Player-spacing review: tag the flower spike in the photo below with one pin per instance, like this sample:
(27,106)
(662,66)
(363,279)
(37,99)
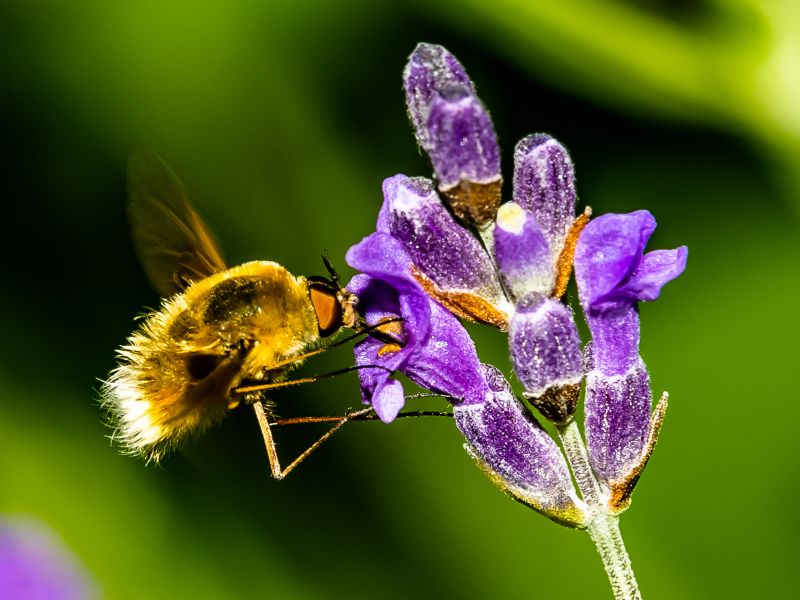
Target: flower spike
(423,268)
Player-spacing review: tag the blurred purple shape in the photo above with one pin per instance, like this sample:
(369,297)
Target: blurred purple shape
(35,564)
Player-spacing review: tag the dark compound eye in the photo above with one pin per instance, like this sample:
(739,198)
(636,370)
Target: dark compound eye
(326,305)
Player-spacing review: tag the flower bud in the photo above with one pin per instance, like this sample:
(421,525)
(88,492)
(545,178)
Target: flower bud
(544,185)
(522,252)
(617,419)
(465,155)
(517,453)
(429,70)
(448,261)
(546,355)
(455,130)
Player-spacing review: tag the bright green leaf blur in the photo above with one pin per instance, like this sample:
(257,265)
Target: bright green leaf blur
(283,121)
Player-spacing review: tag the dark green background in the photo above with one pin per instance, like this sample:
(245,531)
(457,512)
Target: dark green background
(283,121)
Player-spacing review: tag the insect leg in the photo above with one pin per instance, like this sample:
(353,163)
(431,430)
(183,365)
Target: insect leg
(272,452)
(269,441)
(366,417)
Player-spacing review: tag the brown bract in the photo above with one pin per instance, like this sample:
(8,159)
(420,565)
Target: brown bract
(557,404)
(565,259)
(474,203)
(621,491)
(464,305)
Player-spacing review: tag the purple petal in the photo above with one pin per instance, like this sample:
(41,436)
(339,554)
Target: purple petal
(374,380)
(383,257)
(522,252)
(438,354)
(516,452)
(544,184)
(464,145)
(35,565)
(442,249)
(382,301)
(448,362)
(546,354)
(613,276)
(615,338)
(617,421)
(442,359)
(656,269)
(359,283)
(609,250)
(386,290)
(389,400)
(393,291)
(430,69)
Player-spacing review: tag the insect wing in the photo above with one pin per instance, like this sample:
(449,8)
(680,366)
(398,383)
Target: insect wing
(173,244)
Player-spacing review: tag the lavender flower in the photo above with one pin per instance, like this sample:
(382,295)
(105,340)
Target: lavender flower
(424,266)
(455,130)
(614,275)
(446,259)
(531,237)
(517,453)
(437,353)
(544,185)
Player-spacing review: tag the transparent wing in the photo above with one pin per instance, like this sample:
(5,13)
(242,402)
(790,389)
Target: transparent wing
(173,244)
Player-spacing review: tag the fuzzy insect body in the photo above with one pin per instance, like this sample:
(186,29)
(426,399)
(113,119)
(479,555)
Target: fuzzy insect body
(217,328)
(178,369)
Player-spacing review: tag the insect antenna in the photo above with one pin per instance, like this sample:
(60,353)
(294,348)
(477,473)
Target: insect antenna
(329,267)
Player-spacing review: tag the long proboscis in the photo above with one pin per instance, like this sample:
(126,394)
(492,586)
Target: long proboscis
(262,387)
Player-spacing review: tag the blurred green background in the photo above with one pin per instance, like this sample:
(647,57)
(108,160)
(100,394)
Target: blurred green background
(283,120)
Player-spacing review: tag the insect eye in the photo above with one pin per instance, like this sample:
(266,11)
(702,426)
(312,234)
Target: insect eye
(326,306)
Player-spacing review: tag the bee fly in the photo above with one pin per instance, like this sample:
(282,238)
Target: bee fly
(222,335)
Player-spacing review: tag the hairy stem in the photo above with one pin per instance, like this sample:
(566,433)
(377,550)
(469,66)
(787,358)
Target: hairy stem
(578,459)
(605,533)
(603,527)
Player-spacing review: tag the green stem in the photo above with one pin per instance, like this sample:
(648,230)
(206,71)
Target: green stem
(578,459)
(603,527)
(605,533)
